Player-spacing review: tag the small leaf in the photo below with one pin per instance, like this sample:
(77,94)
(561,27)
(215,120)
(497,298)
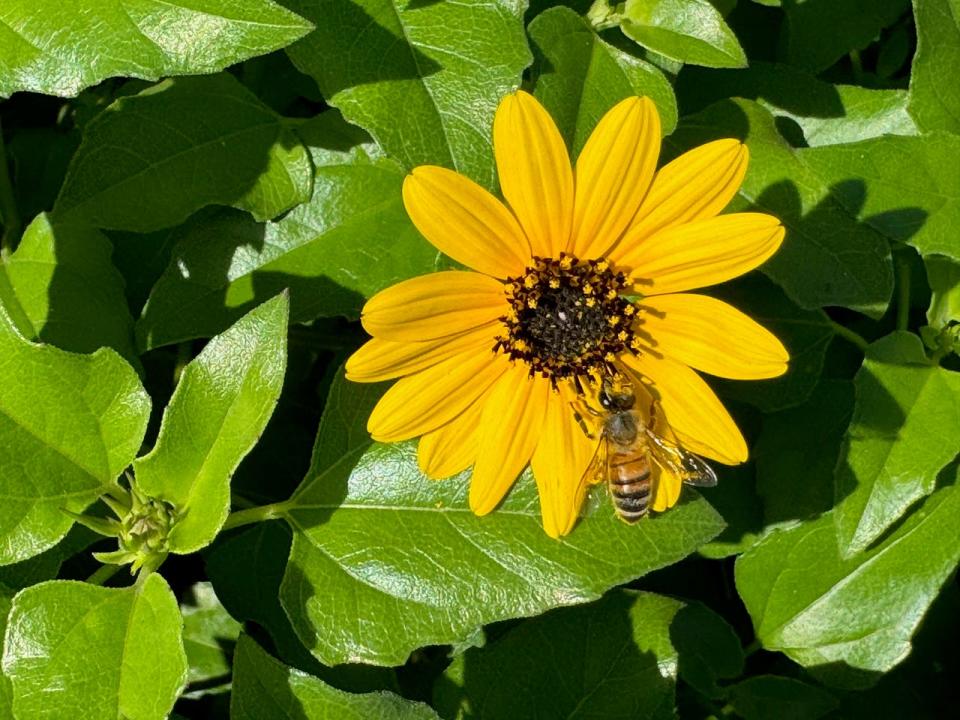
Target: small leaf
(610,659)
(222,403)
(209,636)
(112,652)
(944,277)
(708,648)
(136,168)
(65,284)
(689,31)
(905,429)
(423,78)
(809,602)
(59,48)
(266,688)
(934,95)
(579,76)
(69,425)
(770,697)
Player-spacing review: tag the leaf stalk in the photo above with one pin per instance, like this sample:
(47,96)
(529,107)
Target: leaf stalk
(253,515)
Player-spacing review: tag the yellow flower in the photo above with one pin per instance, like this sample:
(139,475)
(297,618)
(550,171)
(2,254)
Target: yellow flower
(583,271)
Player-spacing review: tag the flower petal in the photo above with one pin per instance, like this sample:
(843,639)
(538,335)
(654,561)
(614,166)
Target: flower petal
(712,336)
(613,173)
(696,415)
(703,253)
(434,306)
(380,359)
(451,448)
(560,465)
(423,402)
(696,186)
(535,174)
(509,430)
(466,222)
(666,489)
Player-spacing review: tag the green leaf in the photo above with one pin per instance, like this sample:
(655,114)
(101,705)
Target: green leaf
(613,658)
(59,47)
(69,425)
(209,636)
(924,212)
(6,689)
(770,697)
(406,555)
(352,239)
(46,565)
(828,257)
(423,78)
(689,31)
(137,167)
(820,33)
(823,610)
(708,649)
(222,403)
(266,688)
(65,285)
(944,277)
(934,94)
(736,499)
(797,451)
(905,429)
(579,76)
(111,652)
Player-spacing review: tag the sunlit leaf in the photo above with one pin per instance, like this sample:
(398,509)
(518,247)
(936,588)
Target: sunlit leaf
(934,94)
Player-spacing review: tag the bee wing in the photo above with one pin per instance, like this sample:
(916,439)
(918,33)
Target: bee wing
(596,470)
(685,465)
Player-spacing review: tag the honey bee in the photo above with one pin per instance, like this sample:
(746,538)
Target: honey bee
(628,445)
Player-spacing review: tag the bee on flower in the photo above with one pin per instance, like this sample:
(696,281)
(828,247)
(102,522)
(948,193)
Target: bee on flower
(582,275)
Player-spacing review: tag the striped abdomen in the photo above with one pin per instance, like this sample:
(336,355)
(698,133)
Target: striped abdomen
(629,479)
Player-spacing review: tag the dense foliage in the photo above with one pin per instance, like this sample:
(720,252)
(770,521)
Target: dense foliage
(197,197)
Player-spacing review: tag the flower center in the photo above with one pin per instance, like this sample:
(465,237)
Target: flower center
(567,318)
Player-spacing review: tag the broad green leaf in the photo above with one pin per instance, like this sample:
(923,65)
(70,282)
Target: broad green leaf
(771,697)
(868,178)
(69,425)
(209,636)
(689,31)
(820,33)
(797,451)
(352,239)
(613,658)
(46,565)
(59,47)
(139,165)
(944,277)
(905,429)
(402,562)
(423,78)
(934,93)
(104,652)
(63,282)
(828,257)
(820,609)
(579,76)
(141,258)
(266,688)
(708,649)
(736,499)
(223,400)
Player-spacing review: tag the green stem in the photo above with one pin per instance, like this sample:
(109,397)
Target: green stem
(849,335)
(753,647)
(103,573)
(903,290)
(255,515)
(8,206)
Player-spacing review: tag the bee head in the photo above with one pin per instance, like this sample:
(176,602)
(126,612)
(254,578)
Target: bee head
(616,396)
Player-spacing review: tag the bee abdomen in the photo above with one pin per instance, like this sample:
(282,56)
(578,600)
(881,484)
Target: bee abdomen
(630,486)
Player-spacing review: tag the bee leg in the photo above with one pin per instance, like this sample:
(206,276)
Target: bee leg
(582,423)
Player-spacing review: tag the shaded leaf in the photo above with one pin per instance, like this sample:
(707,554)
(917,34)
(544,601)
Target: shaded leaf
(112,652)
(770,697)
(934,94)
(6,689)
(944,277)
(59,47)
(708,648)
(209,636)
(223,400)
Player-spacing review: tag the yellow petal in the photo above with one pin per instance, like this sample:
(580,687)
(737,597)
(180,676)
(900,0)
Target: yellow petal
(451,448)
(696,186)
(613,173)
(423,402)
(710,335)
(466,222)
(535,174)
(696,415)
(380,359)
(703,253)
(560,465)
(509,429)
(434,306)
(666,489)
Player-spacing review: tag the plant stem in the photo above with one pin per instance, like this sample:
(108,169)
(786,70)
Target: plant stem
(8,205)
(849,335)
(903,290)
(857,65)
(255,515)
(104,573)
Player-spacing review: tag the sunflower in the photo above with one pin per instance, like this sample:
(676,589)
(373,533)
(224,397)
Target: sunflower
(582,273)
